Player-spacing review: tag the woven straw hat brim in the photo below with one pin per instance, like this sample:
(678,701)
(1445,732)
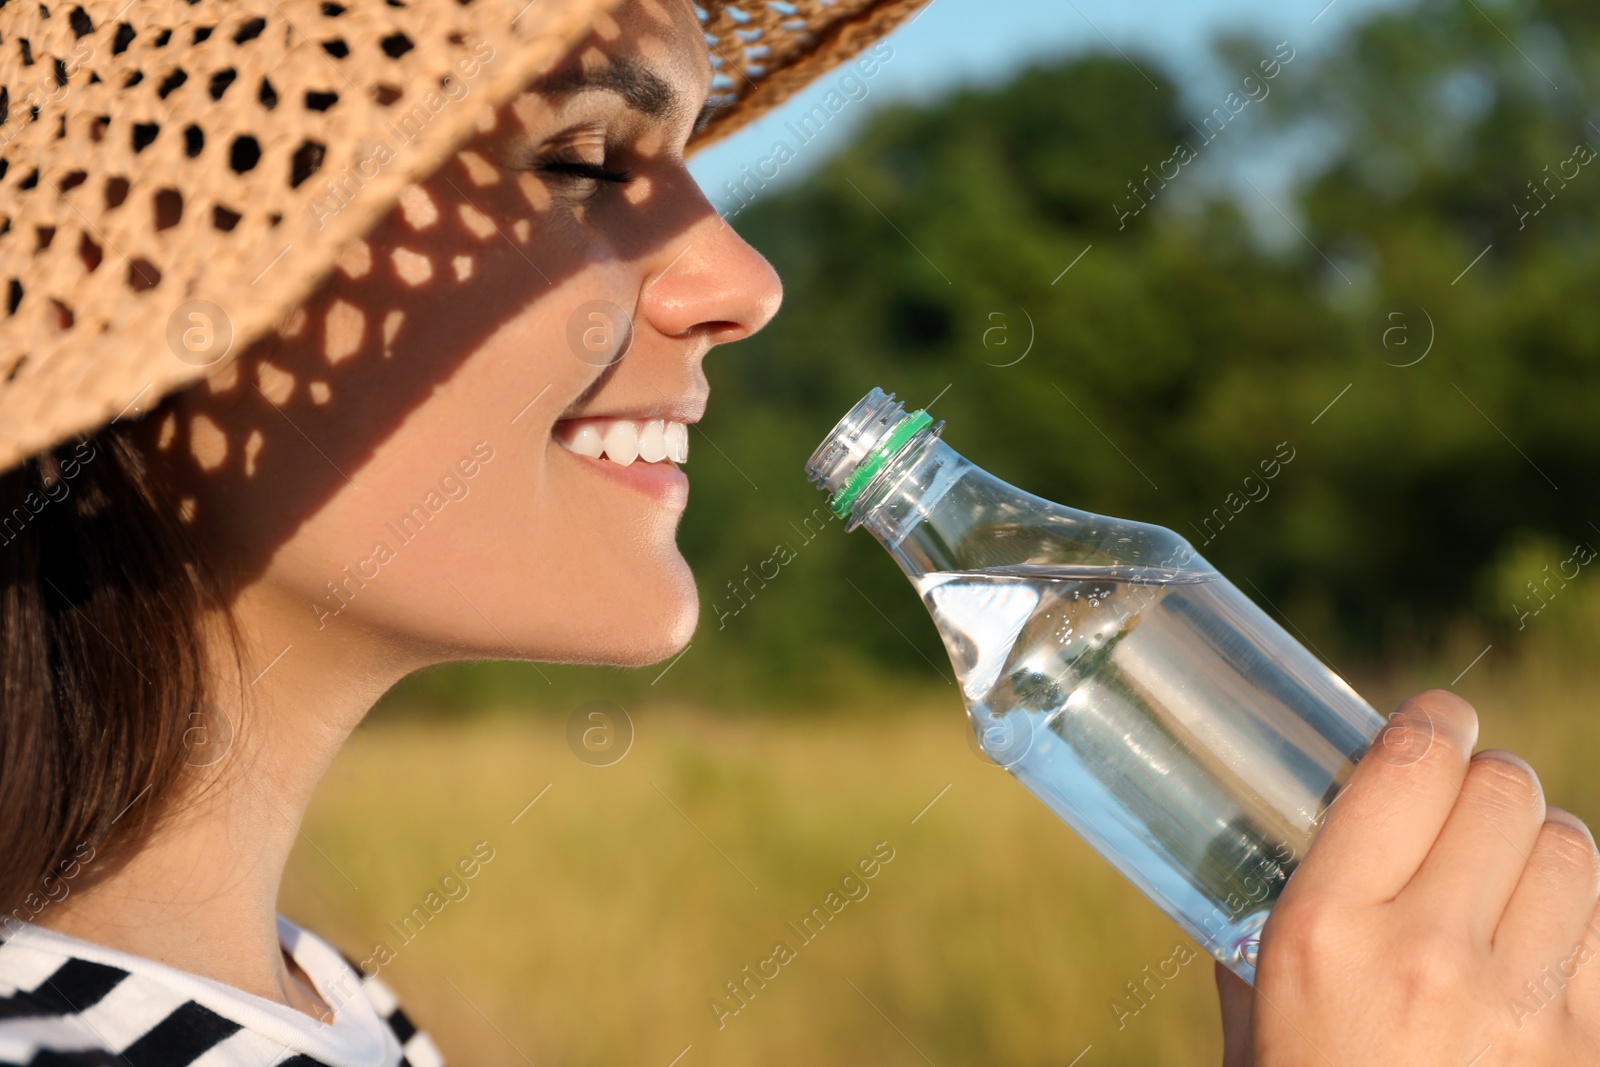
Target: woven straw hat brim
(164,160)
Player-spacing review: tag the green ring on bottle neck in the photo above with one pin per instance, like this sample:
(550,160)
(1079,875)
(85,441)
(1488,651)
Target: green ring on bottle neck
(875,461)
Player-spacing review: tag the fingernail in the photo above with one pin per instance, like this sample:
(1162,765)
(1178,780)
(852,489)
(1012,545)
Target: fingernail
(1562,815)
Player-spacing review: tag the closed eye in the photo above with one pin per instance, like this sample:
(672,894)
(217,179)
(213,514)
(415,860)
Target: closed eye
(588,171)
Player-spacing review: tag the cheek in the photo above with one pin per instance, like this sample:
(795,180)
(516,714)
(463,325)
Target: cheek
(542,558)
(565,565)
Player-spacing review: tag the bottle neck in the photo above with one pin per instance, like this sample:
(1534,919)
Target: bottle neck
(934,510)
(902,506)
(886,469)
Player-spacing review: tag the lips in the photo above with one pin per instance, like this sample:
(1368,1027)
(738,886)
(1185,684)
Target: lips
(624,441)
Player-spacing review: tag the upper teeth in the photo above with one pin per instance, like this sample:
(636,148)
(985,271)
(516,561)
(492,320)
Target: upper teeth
(625,440)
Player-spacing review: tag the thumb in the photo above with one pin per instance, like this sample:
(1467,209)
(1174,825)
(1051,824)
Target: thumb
(1237,1000)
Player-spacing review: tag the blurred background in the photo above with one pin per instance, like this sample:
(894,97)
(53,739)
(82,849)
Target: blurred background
(1384,255)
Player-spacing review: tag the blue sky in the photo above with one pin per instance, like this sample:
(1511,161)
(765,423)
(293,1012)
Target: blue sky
(960,42)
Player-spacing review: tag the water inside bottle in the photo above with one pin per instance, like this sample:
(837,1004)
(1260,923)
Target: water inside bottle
(1163,716)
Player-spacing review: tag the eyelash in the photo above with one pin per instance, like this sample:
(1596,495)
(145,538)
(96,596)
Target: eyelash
(590,171)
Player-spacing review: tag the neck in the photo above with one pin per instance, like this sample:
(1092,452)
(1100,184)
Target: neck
(199,893)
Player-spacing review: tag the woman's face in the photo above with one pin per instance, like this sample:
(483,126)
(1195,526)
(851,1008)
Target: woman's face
(415,458)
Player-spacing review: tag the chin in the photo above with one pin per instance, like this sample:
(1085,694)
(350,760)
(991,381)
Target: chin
(679,620)
(672,612)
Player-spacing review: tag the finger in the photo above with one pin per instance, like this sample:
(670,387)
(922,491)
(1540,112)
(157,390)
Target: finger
(1483,850)
(1583,991)
(1236,999)
(1386,818)
(1544,937)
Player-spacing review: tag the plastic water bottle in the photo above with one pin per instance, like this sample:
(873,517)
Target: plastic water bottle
(1146,700)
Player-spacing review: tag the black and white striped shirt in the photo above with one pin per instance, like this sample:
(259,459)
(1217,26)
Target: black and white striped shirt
(65,1002)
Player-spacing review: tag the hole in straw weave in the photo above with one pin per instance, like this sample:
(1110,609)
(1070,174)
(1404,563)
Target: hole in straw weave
(116,192)
(245,154)
(396,45)
(307,161)
(267,95)
(169,209)
(250,31)
(143,275)
(125,36)
(221,80)
(171,82)
(89,253)
(223,219)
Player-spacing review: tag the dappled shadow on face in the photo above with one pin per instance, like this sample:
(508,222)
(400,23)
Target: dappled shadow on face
(279,429)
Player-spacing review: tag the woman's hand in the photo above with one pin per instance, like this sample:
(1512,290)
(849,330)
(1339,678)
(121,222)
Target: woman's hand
(1444,916)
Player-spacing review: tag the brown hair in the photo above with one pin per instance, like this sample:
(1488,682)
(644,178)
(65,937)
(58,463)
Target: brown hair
(104,603)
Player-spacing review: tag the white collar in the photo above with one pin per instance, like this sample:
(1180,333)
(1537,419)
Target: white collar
(357,1037)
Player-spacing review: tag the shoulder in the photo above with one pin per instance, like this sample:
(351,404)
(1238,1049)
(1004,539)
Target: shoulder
(65,1011)
(70,1003)
(46,999)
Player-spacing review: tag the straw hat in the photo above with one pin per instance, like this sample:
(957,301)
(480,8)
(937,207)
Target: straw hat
(163,159)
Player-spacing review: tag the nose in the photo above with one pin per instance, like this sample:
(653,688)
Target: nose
(711,281)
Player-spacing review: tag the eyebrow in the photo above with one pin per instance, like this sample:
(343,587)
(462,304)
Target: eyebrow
(641,88)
